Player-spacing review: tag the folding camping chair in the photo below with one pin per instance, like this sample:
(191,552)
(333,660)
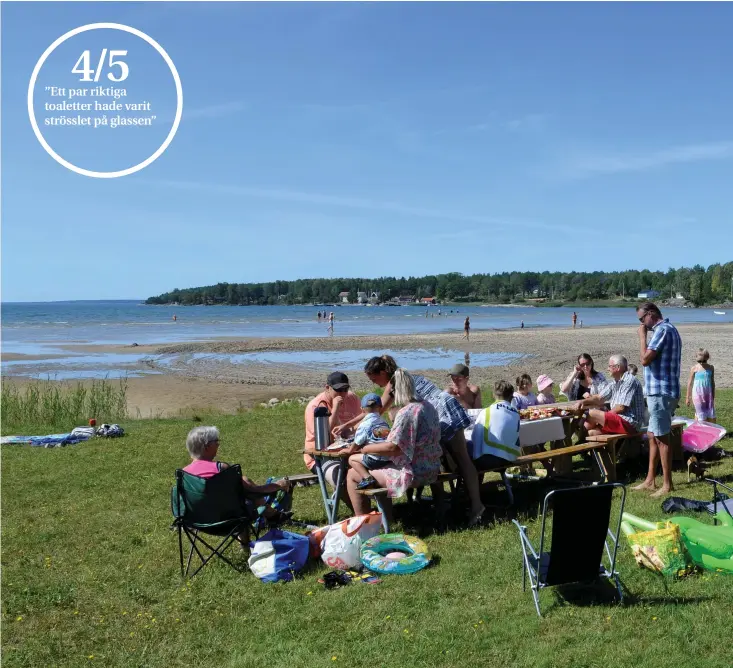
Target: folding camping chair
(215,506)
(580,534)
(720,498)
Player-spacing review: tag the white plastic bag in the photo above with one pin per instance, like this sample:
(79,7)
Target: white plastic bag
(342,544)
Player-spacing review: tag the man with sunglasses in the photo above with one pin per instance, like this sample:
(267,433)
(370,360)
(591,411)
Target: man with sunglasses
(661,359)
(343,405)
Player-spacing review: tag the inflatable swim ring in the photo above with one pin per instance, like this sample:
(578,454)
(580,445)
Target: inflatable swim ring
(374,551)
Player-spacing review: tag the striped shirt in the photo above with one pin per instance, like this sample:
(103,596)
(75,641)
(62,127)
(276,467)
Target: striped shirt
(452,415)
(662,376)
(627,392)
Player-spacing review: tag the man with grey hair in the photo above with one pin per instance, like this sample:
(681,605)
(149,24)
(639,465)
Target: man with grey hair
(627,403)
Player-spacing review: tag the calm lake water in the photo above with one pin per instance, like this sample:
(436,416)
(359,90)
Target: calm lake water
(42,328)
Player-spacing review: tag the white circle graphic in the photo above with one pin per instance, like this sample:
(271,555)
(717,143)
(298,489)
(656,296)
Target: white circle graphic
(163,146)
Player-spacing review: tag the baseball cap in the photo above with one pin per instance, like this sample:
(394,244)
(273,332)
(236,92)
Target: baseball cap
(371,399)
(543,382)
(459,370)
(338,381)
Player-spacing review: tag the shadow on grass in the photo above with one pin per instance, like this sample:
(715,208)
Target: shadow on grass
(603,593)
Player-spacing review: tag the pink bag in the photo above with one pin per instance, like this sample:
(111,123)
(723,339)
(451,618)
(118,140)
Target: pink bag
(341,547)
(700,436)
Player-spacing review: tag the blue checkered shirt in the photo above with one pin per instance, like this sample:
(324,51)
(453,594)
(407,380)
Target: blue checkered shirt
(627,392)
(451,414)
(662,376)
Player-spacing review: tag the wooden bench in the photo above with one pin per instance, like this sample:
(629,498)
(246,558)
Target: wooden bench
(600,449)
(629,446)
(303,479)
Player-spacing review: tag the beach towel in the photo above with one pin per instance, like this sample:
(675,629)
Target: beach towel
(51,440)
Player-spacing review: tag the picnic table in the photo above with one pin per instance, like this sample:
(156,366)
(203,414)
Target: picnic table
(330,501)
(557,431)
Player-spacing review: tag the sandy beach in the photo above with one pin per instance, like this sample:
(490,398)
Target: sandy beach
(188,384)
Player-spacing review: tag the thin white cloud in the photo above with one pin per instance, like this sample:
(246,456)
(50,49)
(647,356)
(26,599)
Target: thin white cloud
(584,166)
(526,123)
(214,111)
(284,195)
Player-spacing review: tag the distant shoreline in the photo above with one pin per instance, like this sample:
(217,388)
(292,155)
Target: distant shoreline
(190,380)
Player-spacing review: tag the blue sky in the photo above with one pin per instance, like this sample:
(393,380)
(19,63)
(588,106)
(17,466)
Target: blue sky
(338,139)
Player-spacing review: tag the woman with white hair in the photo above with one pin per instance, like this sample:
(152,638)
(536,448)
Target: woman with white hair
(202,444)
(413,445)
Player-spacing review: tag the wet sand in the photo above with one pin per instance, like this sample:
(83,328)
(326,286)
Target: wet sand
(196,384)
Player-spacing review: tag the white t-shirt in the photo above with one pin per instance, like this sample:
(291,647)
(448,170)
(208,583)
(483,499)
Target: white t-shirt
(496,432)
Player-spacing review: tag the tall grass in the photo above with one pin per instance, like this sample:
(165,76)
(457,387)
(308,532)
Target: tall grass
(55,405)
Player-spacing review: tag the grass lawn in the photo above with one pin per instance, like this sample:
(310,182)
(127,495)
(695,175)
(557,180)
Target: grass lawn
(90,575)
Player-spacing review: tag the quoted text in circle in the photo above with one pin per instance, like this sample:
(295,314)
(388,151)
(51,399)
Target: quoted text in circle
(161,148)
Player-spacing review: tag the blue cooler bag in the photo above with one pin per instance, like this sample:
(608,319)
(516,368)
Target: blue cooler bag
(278,555)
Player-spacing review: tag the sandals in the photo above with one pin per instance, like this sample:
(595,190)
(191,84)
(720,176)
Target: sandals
(366,483)
(475,520)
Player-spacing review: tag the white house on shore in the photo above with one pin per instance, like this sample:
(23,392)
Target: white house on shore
(648,294)
(344,297)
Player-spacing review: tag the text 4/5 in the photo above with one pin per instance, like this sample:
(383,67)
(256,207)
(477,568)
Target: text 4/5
(83,66)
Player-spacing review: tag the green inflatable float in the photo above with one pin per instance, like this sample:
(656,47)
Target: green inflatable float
(708,546)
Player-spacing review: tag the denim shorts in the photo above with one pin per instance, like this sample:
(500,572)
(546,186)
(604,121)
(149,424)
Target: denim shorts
(372,462)
(661,409)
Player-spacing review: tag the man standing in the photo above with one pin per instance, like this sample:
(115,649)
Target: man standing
(661,359)
(466,328)
(627,403)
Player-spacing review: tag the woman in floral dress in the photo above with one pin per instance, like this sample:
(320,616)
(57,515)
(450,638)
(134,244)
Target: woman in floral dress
(413,445)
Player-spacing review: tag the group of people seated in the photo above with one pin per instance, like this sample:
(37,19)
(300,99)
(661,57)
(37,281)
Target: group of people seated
(427,422)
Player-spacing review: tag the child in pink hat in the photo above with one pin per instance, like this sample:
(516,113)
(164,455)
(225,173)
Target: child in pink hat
(544,387)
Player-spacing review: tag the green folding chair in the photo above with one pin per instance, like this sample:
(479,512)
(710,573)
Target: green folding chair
(213,506)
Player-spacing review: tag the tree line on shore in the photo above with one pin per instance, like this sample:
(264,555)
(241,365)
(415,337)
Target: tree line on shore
(697,285)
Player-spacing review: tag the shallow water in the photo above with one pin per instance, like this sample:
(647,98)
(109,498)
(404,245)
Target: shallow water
(349,360)
(30,327)
(79,366)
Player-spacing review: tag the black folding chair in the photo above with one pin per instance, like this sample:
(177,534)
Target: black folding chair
(580,535)
(215,506)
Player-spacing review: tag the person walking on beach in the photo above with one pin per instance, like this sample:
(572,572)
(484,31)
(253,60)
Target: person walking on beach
(466,328)
(330,323)
(575,319)
(661,359)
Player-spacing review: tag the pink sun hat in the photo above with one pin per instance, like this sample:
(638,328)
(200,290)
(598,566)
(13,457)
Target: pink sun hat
(543,382)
